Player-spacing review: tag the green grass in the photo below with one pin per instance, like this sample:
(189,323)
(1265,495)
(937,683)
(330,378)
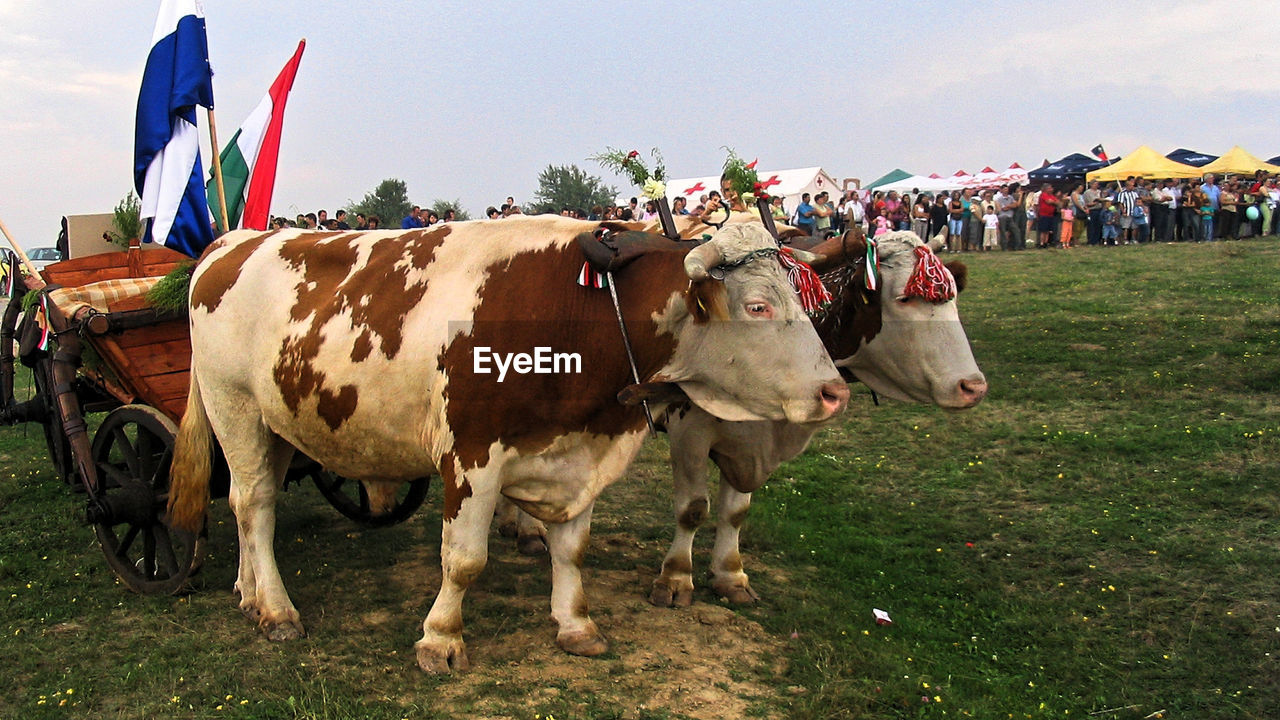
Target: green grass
(1099,538)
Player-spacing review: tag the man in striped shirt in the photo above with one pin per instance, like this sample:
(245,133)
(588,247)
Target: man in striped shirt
(1127,199)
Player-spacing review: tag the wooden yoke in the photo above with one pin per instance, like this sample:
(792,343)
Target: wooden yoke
(668,222)
(766,216)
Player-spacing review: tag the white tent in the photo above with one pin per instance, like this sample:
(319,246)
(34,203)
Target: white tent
(790,184)
(987,178)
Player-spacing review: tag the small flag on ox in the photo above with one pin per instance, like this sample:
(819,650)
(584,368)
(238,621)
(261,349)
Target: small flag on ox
(250,157)
(166,157)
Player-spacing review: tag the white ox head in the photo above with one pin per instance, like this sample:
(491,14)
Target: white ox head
(745,348)
(921,352)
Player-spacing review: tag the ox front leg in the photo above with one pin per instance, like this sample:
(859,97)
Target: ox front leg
(464,551)
(263,599)
(674,585)
(727,577)
(578,634)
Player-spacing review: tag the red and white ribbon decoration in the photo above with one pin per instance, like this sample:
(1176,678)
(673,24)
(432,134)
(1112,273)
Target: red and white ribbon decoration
(813,296)
(930,280)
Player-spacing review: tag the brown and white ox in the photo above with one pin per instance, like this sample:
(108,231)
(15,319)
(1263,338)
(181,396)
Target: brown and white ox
(362,350)
(902,347)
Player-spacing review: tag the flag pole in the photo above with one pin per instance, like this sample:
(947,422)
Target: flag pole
(217,174)
(22,254)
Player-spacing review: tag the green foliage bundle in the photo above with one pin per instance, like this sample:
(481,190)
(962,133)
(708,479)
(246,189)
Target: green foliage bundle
(171,292)
(126,221)
(632,165)
(741,175)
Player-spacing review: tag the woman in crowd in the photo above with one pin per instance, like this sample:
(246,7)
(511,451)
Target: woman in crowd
(920,215)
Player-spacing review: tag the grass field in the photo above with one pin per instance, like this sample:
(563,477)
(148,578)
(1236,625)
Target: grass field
(1099,539)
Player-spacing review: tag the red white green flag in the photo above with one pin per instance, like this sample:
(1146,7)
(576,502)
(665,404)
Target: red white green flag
(249,159)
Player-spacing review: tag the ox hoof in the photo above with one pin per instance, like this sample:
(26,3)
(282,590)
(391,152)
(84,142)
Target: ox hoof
(442,657)
(508,529)
(663,595)
(532,545)
(584,643)
(282,631)
(738,594)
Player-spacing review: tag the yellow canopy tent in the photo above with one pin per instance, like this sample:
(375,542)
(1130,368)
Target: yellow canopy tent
(1147,163)
(1238,161)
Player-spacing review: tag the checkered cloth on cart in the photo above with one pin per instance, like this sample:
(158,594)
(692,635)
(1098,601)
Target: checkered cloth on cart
(99,295)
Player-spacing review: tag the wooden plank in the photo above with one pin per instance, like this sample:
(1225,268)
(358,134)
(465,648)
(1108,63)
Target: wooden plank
(174,407)
(75,278)
(113,266)
(161,358)
(118,361)
(169,385)
(159,333)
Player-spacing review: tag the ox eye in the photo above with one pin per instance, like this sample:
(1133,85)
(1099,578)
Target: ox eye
(903,299)
(759,309)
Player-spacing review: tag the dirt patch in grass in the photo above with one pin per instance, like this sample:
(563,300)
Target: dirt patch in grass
(704,661)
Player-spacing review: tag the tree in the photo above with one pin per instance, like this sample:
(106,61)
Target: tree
(389,202)
(569,186)
(440,206)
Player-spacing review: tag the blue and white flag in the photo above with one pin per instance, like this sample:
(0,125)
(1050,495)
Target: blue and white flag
(166,156)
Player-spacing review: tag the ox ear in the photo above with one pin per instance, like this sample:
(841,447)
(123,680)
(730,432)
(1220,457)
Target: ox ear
(706,300)
(960,272)
(657,392)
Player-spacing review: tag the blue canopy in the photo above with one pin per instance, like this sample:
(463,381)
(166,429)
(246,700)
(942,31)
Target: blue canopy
(1069,168)
(1191,157)
(1275,160)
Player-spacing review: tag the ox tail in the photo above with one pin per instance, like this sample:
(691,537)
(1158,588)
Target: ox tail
(192,458)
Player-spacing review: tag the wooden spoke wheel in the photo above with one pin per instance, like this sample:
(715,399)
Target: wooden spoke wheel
(351,498)
(132,451)
(55,436)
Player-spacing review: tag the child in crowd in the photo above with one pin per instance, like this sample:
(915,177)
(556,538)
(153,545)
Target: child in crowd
(990,228)
(882,226)
(1140,221)
(1110,224)
(1068,226)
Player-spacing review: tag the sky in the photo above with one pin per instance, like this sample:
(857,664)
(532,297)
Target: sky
(472,100)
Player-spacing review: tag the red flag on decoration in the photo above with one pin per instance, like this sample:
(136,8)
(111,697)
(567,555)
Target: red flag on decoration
(257,207)
(1102,154)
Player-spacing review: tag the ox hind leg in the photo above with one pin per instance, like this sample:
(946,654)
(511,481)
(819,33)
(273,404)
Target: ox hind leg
(258,466)
(530,533)
(674,585)
(568,541)
(464,552)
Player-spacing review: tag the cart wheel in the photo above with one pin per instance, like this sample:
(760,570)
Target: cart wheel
(132,451)
(351,499)
(55,437)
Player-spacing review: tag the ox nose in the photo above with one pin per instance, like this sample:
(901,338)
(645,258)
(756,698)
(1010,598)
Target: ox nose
(972,390)
(834,397)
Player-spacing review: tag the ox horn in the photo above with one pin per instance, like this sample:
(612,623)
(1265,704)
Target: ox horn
(701,259)
(808,258)
(938,242)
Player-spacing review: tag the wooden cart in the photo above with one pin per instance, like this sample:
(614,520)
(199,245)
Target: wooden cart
(125,358)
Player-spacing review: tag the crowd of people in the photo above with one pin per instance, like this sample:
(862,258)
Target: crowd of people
(1012,217)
